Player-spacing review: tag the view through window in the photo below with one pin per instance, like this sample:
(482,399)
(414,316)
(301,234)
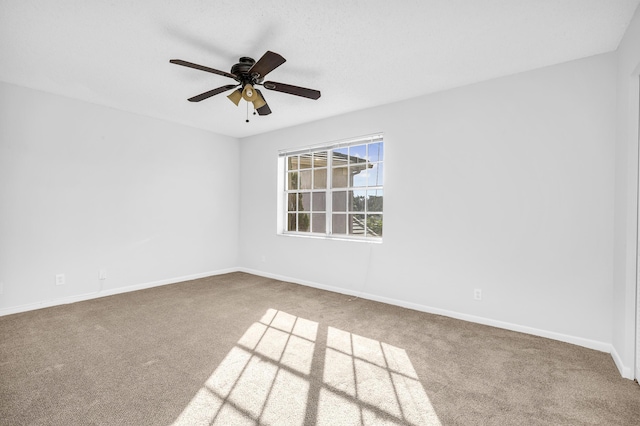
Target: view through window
(336,189)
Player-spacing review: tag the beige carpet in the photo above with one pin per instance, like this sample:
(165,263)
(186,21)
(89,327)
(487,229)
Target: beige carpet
(241,349)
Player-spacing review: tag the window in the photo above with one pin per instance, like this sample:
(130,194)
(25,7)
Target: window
(335,190)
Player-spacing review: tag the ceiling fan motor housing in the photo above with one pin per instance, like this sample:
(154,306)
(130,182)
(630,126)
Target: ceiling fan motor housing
(241,69)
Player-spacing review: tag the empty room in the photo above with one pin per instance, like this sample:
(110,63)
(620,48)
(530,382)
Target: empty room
(201,212)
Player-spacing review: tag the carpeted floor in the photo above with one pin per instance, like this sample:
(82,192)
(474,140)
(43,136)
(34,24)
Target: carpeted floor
(241,349)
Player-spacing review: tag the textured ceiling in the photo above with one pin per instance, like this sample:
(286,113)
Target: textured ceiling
(358,53)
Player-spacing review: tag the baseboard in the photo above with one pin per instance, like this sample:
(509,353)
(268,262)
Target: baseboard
(110,292)
(625,371)
(587,343)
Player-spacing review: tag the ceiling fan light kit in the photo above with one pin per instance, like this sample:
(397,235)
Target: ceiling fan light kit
(259,102)
(248,93)
(235,96)
(248,73)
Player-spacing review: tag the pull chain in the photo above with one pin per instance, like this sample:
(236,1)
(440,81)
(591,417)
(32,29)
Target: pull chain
(247,112)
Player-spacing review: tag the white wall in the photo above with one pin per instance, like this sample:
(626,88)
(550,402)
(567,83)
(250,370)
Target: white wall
(506,186)
(626,190)
(84,187)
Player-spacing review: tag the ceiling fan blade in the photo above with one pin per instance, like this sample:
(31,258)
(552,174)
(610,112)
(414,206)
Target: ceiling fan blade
(269,62)
(202,68)
(210,93)
(263,110)
(292,90)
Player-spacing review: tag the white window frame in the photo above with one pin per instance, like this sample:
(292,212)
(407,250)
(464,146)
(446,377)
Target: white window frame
(283,191)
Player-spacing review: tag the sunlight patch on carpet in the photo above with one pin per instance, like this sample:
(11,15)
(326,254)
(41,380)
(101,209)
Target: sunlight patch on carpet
(267,378)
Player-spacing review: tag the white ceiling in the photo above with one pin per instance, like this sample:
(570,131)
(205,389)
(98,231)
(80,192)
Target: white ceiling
(358,53)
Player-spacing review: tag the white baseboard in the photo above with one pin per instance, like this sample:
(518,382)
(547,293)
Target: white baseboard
(109,292)
(625,371)
(587,343)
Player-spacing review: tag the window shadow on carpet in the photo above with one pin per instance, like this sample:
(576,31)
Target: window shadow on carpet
(288,370)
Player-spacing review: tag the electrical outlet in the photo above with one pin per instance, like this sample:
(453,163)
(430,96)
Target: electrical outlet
(263,259)
(102,274)
(1,287)
(477,294)
(60,279)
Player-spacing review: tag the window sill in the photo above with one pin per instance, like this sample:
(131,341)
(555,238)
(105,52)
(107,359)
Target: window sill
(331,237)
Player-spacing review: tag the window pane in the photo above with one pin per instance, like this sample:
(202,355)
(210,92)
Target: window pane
(357,153)
(360,174)
(339,223)
(319,201)
(292,180)
(305,179)
(303,222)
(340,177)
(375,152)
(320,179)
(319,222)
(339,200)
(305,161)
(356,224)
(340,156)
(375,175)
(292,202)
(291,222)
(292,162)
(304,202)
(356,201)
(320,159)
(374,200)
(351,175)
(374,225)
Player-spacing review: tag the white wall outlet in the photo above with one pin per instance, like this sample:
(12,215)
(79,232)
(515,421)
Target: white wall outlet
(60,279)
(102,274)
(477,294)
(1,287)
(263,259)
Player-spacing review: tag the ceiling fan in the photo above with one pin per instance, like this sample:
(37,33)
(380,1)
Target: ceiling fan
(248,73)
